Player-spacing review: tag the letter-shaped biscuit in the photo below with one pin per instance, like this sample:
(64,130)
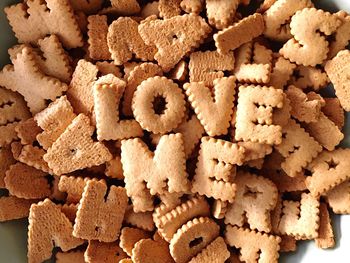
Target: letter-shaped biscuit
(254,246)
(215,163)
(107,99)
(148,173)
(144,108)
(25,77)
(124,40)
(206,106)
(100,218)
(34,19)
(48,226)
(308,47)
(254,121)
(300,219)
(255,198)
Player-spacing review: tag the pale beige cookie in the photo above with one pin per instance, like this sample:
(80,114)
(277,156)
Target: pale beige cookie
(87,6)
(33,20)
(309,47)
(281,116)
(27,182)
(209,65)
(255,198)
(298,148)
(136,76)
(97,37)
(215,252)
(192,131)
(53,121)
(52,59)
(12,208)
(8,133)
(48,227)
(325,132)
(220,104)
(106,67)
(73,186)
(100,252)
(255,150)
(309,77)
(253,246)
(109,127)
(27,131)
(338,71)
(192,237)
(12,110)
(70,257)
(241,32)
(143,220)
(254,120)
(192,6)
(25,77)
(219,209)
(300,219)
(56,194)
(6,160)
(169,8)
(130,236)
(168,219)
(258,71)
(328,170)
(304,107)
(325,237)
(278,15)
(339,198)
(148,173)
(213,176)
(342,35)
(75,149)
(124,40)
(334,111)
(30,155)
(80,93)
(144,108)
(100,218)
(150,9)
(180,71)
(151,251)
(125,7)
(70,211)
(171,199)
(272,170)
(221,13)
(174,37)
(114,168)
(128,67)
(281,72)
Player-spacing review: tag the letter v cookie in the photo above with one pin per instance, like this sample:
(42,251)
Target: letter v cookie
(205,106)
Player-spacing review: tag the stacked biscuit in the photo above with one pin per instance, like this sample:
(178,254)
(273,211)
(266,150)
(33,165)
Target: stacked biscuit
(174,131)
